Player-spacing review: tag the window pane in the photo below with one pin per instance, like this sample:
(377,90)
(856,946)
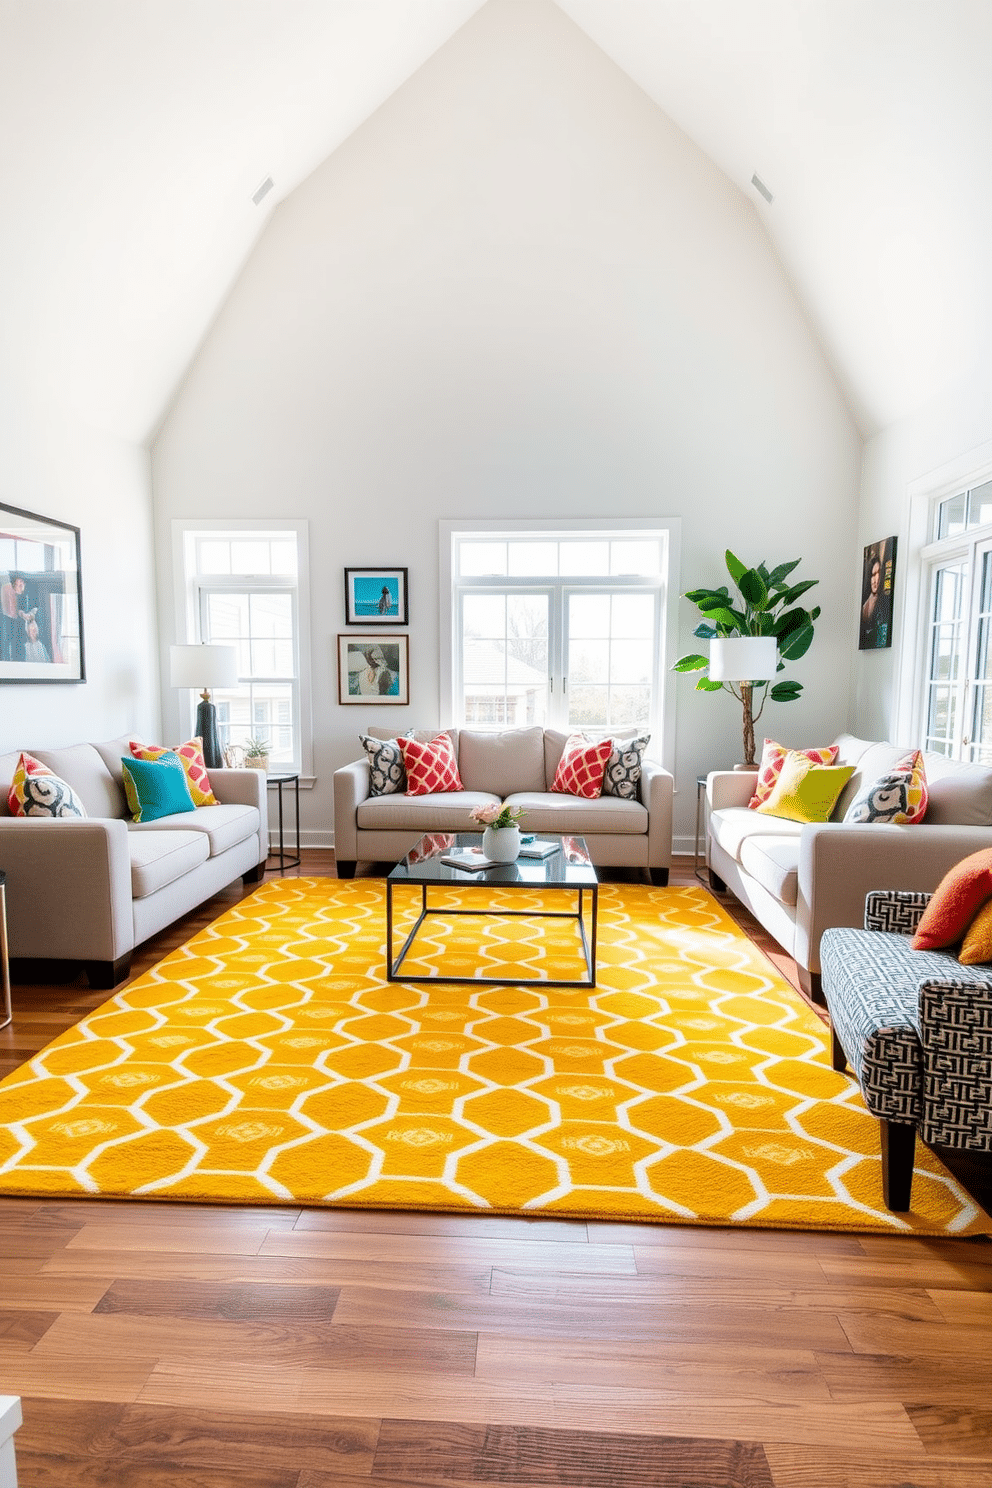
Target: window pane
(588,615)
(271,615)
(588,706)
(533,559)
(478,558)
(588,557)
(484,615)
(588,661)
(951,515)
(635,558)
(227,616)
(215,557)
(250,557)
(284,558)
(527,633)
(633,615)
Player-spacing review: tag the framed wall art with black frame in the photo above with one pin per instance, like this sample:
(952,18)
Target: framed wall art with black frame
(376,596)
(41,604)
(373,669)
(878,577)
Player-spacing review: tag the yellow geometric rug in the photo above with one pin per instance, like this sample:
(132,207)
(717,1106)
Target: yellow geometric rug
(269,1061)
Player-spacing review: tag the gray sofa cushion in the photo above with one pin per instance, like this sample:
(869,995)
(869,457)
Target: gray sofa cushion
(732,826)
(448,812)
(773,862)
(159,858)
(222,826)
(501,763)
(548,812)
(81,766)
(960,793)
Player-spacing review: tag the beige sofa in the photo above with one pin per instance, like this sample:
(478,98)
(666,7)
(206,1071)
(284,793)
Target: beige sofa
(799,880)
(518,766)
(91,889)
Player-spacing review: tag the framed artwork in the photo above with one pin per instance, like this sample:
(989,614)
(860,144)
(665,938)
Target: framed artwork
(41,605)
(376,596)
(373,669)
(877,593)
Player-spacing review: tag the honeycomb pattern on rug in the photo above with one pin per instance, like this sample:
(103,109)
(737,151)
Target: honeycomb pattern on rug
(269,1060)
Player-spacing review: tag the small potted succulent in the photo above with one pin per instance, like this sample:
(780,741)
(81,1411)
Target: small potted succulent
(256,754)
(501,837)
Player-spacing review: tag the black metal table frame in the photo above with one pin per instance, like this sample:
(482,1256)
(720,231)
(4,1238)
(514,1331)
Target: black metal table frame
(285,860)
(588,943)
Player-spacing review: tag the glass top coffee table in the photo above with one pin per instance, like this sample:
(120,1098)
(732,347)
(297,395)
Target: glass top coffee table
(567,871)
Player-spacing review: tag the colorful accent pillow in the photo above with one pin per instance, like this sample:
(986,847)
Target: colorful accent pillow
(805,791)
(191,758)
(976,949)
(623,768)
(773,757)
(431,769)
(956,900)
(899,796)
(582,767)
(37,791)
(156,788)
(387,773)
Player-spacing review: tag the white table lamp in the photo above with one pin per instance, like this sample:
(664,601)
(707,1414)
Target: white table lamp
(204,667)
(744,660)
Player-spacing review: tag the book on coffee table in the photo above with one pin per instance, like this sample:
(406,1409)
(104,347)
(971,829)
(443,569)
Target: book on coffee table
(537,849)
(470,858)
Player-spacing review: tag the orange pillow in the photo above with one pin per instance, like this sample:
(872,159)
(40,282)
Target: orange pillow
(582,767)
(956,900)
(192,761)
(977,947)
(431,769)
(773,758)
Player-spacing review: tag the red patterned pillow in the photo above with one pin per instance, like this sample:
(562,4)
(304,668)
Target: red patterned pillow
(582,767)
(773,758)
(431,769)
(192,761)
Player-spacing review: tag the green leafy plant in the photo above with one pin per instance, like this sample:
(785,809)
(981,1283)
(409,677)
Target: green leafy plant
(765,604)
(256,748)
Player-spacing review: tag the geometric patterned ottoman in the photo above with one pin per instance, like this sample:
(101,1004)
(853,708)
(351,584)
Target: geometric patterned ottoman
(916,1029)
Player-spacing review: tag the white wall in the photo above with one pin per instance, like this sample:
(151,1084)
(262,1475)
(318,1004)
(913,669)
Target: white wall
(519,290)
(52,464)
(949,439)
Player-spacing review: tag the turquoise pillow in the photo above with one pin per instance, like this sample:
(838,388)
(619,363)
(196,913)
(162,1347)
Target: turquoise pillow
(156,788)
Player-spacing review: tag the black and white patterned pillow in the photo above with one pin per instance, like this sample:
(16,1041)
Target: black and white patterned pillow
(386,770)
(623,768)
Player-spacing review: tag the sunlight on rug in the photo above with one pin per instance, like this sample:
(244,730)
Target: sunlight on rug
(269,1061)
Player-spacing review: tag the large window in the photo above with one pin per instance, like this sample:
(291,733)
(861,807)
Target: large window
(246,588)
(957,697)
(564,628)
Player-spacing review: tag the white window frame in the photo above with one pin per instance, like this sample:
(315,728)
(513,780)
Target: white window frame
(188,589)
(669,532)
(913,660)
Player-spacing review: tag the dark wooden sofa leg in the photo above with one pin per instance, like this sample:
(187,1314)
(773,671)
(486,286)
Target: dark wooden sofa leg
(102,975)
(345,867)
(254,875)
(898,1152)
(659,877)
(716,882)
(838,1059)
(812,986)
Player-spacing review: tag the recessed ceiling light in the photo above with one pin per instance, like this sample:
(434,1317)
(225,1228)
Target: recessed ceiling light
(760,186)
(262,191)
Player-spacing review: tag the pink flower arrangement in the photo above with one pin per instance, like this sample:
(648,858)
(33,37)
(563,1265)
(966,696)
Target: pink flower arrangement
(497,816)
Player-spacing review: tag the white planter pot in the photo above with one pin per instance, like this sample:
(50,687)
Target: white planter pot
(502,844)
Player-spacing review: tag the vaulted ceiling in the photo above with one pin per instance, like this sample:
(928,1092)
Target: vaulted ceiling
(137,131)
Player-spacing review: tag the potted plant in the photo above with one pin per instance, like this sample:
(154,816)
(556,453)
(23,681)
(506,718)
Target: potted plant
(257,754)
(501,837)
(755,631)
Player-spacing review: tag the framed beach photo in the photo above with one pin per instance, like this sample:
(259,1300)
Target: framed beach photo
(41,607)
(373,669)
(376,596)
(878,577)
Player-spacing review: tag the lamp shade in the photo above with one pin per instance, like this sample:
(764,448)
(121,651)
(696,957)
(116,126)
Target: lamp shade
(203,666)
(743,658)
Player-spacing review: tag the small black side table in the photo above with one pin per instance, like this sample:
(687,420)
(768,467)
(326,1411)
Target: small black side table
(6,1008)
(286,860)
(700,825)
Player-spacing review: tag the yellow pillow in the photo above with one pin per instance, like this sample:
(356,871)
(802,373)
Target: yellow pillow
(976,948)
(804,791)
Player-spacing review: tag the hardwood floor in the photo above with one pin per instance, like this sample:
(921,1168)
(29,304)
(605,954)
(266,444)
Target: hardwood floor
(187,1346)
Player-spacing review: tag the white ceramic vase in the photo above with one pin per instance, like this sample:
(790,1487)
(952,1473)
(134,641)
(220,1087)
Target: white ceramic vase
(502,844)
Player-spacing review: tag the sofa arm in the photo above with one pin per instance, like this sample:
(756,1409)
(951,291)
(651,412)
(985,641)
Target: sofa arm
(956,1035)
(68,887)
(725,788)
(245,788)
(657,795)
(840,863)
(352,786)
(895,911)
